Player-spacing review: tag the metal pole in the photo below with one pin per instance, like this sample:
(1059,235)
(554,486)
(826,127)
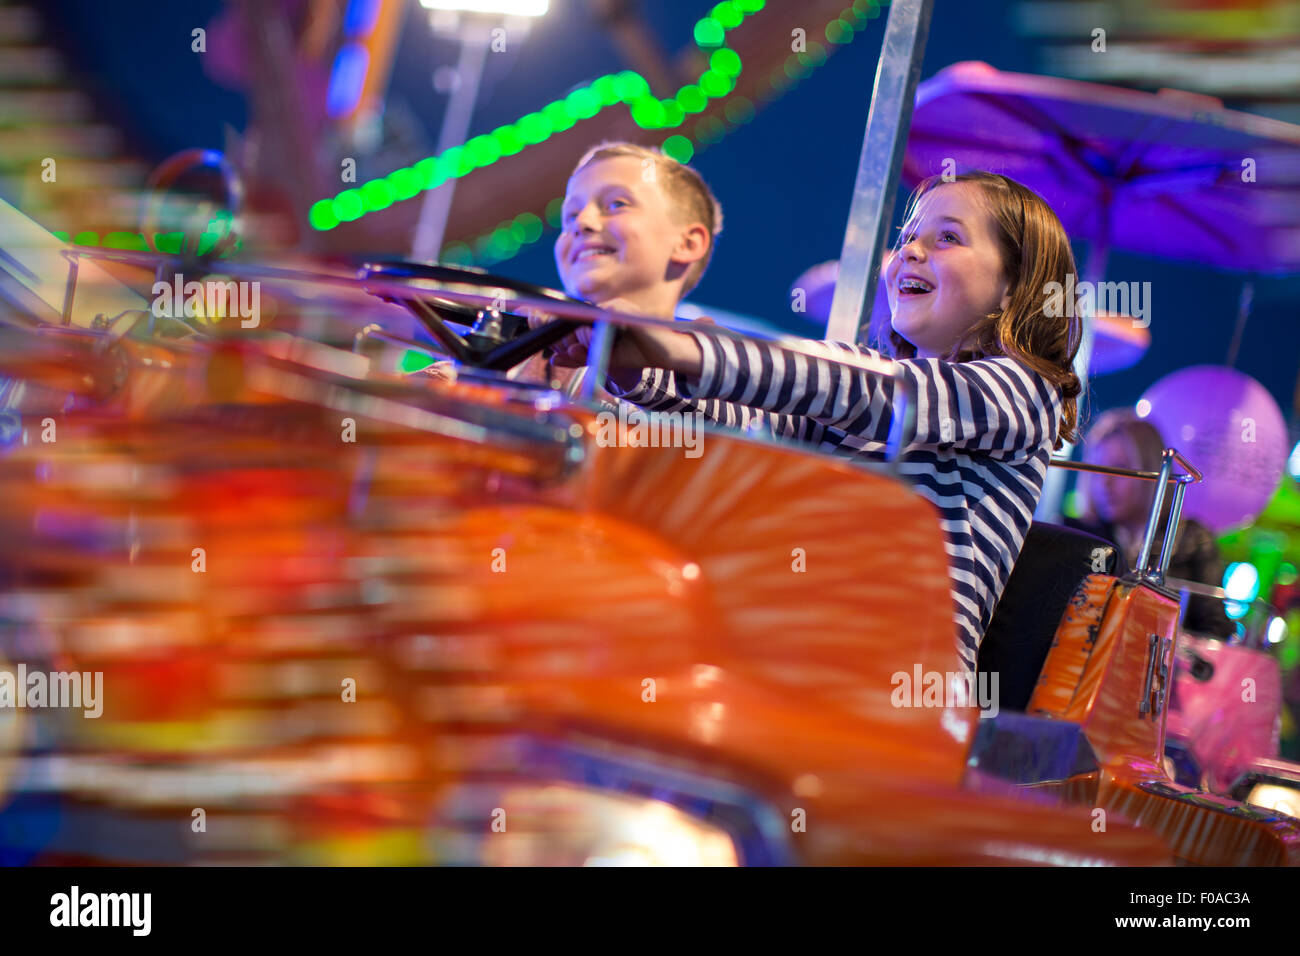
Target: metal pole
(1144,569)
(598,355)
(435,210)
(871,212)
(1171,529)
(1243,313)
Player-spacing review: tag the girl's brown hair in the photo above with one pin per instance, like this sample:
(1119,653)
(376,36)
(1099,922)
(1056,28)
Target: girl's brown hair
(1035,251)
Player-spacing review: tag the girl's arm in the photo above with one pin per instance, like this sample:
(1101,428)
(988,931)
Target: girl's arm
(993,405)
(641,373)
(656,390)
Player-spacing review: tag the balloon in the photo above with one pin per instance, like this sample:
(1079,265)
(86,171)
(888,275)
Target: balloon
(1227,425)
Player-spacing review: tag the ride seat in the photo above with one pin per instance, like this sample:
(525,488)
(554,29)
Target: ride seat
(1052,564)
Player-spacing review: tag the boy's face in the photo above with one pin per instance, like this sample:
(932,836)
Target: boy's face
(618,236)
(948,273)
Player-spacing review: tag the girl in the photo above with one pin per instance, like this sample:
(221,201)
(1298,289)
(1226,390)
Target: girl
(994,375)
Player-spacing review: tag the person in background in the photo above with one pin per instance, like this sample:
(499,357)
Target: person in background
(1118,509)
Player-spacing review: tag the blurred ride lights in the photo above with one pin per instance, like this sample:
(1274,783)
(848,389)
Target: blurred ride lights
(514,8)
(1274,797)
(561,824)
(600,803)
(1276,630)
(1271,784)
(1241,587)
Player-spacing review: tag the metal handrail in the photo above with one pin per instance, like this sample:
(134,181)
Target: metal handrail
(1145,571)
(1194,475)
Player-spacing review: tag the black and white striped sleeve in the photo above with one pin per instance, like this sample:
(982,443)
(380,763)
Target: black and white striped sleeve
(658,391)
(991,405)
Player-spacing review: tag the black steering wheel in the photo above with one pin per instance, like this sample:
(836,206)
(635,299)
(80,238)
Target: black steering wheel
(497,339)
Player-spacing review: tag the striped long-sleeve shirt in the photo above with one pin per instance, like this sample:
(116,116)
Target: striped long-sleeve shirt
(984,432)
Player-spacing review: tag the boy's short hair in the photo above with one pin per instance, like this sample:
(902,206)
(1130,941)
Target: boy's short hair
(686,190)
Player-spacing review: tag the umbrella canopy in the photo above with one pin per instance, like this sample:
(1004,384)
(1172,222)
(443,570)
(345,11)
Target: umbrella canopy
(1171,175)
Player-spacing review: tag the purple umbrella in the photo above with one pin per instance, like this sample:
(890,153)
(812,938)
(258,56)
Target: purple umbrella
(1172,175)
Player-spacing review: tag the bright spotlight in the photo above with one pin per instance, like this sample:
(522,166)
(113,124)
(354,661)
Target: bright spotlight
(515,8)
(1276,631)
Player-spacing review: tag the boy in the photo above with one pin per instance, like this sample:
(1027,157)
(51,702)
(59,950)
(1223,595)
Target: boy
(637,232)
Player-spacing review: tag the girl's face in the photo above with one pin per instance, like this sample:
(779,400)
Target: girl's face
(948,273)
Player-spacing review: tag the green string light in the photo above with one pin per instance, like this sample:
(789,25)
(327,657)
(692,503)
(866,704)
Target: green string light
(165,242)
(626,87)
(728,14)
(679,148)
(839,31)
(738,111)
(709,33)
(726,62)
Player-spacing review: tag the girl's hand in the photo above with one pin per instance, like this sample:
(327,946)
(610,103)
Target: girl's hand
(634,348)
(444,371)
(570,351)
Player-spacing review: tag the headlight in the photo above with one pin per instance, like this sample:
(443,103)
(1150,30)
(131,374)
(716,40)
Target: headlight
(1272,796)
(565,824)
(591,802)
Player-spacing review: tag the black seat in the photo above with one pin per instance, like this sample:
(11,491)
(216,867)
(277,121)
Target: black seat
(1052,564)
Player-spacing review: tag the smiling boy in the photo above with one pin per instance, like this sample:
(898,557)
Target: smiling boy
(637,227)
(637,232)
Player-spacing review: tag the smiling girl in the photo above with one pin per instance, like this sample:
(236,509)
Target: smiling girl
(993,374)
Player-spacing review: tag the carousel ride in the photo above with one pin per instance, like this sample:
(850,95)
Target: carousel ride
(325,610)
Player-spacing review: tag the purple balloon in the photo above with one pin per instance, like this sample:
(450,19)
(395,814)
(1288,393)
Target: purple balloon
(1227,425)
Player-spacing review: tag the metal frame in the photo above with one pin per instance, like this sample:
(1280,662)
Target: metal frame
(898,71)
(1146,571)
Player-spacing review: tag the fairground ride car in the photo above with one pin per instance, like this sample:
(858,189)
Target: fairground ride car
(345,615)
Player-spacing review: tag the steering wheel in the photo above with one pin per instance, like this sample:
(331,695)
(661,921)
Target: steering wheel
(497,339)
